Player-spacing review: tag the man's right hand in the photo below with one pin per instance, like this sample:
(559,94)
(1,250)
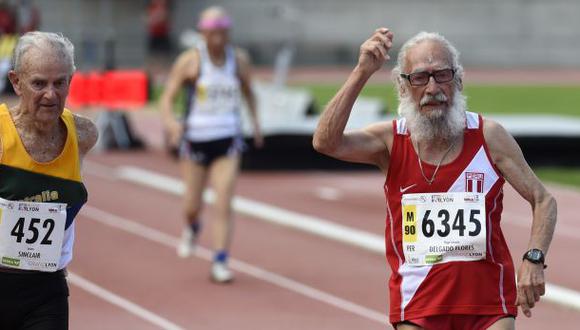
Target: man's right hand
(374,51)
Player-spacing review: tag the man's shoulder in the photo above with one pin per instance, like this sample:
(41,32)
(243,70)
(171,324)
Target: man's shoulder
(84,124)
(497,138)
(190,54)
(187,57)
(384,127)
(186,65)
(491,126)
(87,133)
(383,131)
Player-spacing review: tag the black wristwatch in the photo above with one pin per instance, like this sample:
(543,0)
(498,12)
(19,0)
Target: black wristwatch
(535,256)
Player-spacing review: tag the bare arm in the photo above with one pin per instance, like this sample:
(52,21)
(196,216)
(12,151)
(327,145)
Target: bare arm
(87,134)
(186,67)
(244,73)
(368,145)
(509,159)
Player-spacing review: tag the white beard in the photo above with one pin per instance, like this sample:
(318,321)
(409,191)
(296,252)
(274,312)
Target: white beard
(436,124)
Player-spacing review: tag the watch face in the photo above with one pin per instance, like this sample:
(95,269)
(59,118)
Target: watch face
(535,255)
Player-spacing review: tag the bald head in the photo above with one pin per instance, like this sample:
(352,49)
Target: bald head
(43,45)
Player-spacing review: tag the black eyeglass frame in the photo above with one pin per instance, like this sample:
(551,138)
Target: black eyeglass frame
(430,74)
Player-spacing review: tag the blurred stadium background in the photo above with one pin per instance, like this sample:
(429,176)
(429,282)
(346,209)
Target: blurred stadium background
(497,33)
(521,58)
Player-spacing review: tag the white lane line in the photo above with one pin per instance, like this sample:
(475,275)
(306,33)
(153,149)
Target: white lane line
(510,218)
(310,224)
(154,235)
(176,187)
(263,211)
(98,170)
(123,303)
(328,193)
(562,296)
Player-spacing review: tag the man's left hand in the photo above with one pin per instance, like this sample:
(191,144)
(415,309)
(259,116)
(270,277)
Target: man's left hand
(531,286)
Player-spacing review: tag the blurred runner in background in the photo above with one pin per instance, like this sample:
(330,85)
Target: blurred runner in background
(216,75)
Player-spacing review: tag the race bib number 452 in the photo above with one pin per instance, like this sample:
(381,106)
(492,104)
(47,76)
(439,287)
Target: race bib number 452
(31,234)
(443,227)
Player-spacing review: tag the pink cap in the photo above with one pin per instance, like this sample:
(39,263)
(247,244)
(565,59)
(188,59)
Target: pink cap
(215,23)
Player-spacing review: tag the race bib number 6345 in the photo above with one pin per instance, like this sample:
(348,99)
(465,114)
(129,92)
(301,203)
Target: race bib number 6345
(443,227)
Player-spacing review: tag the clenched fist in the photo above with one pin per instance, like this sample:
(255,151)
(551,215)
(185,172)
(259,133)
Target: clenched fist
(374,51)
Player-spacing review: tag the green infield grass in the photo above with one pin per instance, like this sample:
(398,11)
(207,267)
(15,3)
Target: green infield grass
(569,176)
(562,100)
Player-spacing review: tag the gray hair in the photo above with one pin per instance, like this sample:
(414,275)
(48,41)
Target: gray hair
(417,39)
(42,40)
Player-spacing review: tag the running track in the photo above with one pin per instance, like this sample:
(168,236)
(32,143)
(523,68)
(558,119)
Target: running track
(125,274)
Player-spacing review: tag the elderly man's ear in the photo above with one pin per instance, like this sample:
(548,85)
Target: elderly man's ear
(15,80)
(401,84)
(460,84)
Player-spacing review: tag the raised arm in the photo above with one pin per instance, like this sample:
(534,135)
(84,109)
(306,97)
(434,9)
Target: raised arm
(185,68)
(508,157)
(368,145)
(244,73)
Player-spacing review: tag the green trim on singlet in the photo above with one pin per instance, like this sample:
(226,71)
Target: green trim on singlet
(19,184)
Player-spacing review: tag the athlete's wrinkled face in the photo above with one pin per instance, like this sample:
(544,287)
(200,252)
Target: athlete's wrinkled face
(431,98)
(42,83)
(433,109)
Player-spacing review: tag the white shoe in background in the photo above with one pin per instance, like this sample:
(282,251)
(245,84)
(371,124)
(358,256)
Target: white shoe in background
(220,273)
(187,243)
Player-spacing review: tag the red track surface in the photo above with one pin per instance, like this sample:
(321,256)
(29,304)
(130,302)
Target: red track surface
(149,274)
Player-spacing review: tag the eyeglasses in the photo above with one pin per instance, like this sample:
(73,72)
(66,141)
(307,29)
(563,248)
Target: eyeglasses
(422,78)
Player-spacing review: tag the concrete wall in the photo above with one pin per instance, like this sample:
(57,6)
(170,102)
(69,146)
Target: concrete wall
(487,32)
(89,23)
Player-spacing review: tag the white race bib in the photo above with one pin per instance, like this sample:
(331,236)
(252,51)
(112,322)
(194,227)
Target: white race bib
(218,99)
(31,234)
(443,227)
